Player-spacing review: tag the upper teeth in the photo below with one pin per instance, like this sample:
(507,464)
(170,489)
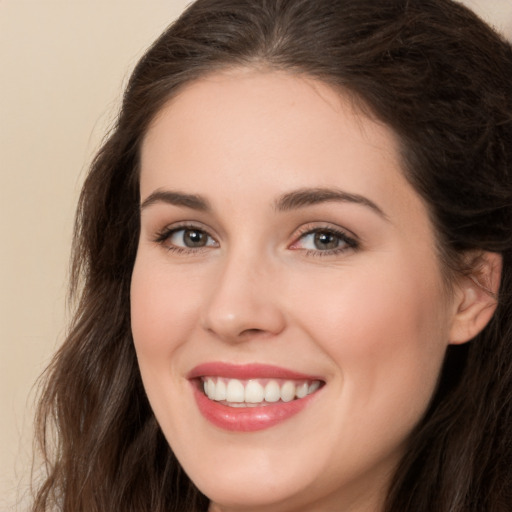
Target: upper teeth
(257,391)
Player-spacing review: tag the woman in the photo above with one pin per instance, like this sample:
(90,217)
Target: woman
(293,265)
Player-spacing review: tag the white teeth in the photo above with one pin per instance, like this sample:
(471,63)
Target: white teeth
(288,391)
(210,389)
(272,391)
(220,390)
(302,390)
(253,391)
(313,386)
(235,391)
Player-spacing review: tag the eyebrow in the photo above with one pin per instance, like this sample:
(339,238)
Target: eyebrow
(192,201)
(290,201)
(311,196)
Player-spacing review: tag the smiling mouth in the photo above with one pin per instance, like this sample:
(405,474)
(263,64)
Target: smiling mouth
(256,392)
(251,397)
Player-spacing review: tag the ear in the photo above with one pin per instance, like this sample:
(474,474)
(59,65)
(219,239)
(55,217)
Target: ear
(476,298)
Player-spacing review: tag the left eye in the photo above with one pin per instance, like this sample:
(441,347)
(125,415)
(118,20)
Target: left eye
(190,238)
(324,240)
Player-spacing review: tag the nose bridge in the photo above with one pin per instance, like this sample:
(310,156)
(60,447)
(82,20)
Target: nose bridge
(243,298)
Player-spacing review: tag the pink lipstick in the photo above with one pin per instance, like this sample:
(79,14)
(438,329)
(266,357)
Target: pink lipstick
(251,397)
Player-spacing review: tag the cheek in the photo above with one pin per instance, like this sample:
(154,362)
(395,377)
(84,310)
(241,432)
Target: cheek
(161,318)
(385,329)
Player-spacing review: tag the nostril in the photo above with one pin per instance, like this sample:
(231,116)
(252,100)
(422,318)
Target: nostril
(247,334)
(252,331)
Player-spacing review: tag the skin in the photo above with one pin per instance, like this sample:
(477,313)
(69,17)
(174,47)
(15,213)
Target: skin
(372,319)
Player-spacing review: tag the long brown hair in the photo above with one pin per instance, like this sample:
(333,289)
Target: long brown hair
(442,80)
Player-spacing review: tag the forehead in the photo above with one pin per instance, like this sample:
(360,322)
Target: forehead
(268,131)
(265,100)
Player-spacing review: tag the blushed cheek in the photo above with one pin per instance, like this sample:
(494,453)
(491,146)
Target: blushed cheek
(384,329)
(152,313)
(159,328)
(164,312)
(145,314)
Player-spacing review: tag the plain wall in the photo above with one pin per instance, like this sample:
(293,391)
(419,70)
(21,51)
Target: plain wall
(63,64)
(62,67)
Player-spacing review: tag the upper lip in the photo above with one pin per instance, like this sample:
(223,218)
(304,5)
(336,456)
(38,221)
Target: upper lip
(247,371)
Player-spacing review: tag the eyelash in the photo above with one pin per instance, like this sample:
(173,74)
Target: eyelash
(165,234)
(350,242)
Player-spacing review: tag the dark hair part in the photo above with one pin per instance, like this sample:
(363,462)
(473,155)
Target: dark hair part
(441,79)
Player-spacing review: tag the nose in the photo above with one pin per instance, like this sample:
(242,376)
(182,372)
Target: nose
(243,303)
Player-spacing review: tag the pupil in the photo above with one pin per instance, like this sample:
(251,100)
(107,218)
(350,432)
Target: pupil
(193,238)
(324,240)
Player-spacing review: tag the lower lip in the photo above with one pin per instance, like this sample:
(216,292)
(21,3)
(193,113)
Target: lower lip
(248,419)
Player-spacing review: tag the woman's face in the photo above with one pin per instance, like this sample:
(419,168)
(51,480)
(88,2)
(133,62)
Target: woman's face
(286,266)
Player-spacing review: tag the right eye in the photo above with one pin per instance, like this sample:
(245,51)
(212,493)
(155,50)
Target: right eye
(186,238)
(191,238)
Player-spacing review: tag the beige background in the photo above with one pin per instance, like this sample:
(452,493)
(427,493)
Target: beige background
(63,64)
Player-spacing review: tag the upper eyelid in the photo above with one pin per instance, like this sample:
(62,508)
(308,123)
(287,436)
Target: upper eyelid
(163,238)
(351,240)
(311,227)
(179,225)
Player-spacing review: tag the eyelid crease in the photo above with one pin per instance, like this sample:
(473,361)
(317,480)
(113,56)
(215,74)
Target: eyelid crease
(352,241)
(311,227)
(168,230)
(162,237)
